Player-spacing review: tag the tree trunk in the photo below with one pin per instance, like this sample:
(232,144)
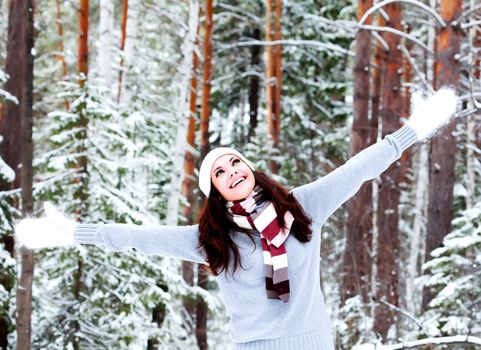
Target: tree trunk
(377,74)
(206,74)
(379,66)
(202,277)
(388,197)
(82,66)
(17,150)
(129,50)
(83,36)
(106,30)
(357,260)
(81,195)
(189,182)
(475,42)
(443,147)
(201,326)
(182,116)
(254,86)
(123,35)
(61,48)
(273,79)
(406,105)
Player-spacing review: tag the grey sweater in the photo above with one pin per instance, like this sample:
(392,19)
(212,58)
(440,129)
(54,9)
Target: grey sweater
(256,321)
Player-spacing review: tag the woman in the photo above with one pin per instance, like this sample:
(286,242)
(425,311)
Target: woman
(260,241)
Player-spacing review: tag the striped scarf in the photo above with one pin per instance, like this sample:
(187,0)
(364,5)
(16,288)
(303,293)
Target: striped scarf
(254,212)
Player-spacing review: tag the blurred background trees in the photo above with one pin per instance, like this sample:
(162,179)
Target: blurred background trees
(124,98)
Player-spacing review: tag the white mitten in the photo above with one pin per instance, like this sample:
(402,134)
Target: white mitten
(431,114)
(54,230)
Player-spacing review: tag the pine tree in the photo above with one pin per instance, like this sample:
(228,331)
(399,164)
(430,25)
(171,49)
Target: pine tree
(455,279)
(8,265)
(128,147)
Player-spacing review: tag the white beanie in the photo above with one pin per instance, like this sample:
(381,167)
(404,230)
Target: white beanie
(208,162)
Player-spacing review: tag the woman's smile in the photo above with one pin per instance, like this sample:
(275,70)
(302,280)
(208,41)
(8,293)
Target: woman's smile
(232,177)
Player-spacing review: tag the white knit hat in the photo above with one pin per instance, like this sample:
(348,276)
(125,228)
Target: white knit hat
(208,162)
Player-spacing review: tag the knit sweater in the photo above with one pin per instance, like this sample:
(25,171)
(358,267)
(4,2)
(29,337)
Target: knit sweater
(257,322)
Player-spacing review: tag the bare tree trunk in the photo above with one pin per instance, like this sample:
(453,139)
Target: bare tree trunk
(207,72)
(254,86)
(377,73)
(61,55)
(273,78)
(129,50)
(183,113)
(201,307)
(406,105)
(202,277)
(123,31)
(83,36)
(106,30)
(387,214)
(16,124)
(443,147)
(357,260)
(189,175)
(81,195)
(418,238)
(475,43)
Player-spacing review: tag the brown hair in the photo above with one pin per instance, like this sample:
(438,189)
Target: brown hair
(214,224)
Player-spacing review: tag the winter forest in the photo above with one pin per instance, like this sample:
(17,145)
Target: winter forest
(107,107)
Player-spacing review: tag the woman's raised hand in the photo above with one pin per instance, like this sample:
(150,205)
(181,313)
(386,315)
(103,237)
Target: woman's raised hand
(53,230)
(428,115)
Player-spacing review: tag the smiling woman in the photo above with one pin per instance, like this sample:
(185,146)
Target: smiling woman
(232,177)
(249,220)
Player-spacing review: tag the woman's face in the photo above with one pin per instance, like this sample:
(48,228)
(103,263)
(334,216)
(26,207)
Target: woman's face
(232,177)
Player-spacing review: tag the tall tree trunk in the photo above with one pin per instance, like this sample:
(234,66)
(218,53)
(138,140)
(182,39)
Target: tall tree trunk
(413,293)
(201,308)
(182,116)
(443,147)
(106,30)
(379,66)
(81,195)
(273,78)
(129,50)
(357,260)
(61,48)
(254,86)
(207,72)
(189,174)
(376,86)
(406,104)
(83,36)
(16,149)
(475,43)
(202,276)
(123,31)
(388,197)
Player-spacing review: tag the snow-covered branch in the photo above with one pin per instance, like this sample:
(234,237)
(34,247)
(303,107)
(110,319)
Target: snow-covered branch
(469,12)
(412,2)
(457,339)
(397,32)
(290,42)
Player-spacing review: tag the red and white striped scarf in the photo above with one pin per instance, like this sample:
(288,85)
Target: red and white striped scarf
(254,212)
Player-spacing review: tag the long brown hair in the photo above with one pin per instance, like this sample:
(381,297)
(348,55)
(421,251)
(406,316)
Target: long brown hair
(214,225)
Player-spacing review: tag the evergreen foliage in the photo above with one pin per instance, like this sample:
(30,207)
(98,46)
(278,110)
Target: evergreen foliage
(100,299)
(8,265)
(455,279)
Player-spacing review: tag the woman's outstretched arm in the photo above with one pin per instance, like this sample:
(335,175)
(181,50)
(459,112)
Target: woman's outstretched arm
(55,230)
(323,196)
(170,241)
